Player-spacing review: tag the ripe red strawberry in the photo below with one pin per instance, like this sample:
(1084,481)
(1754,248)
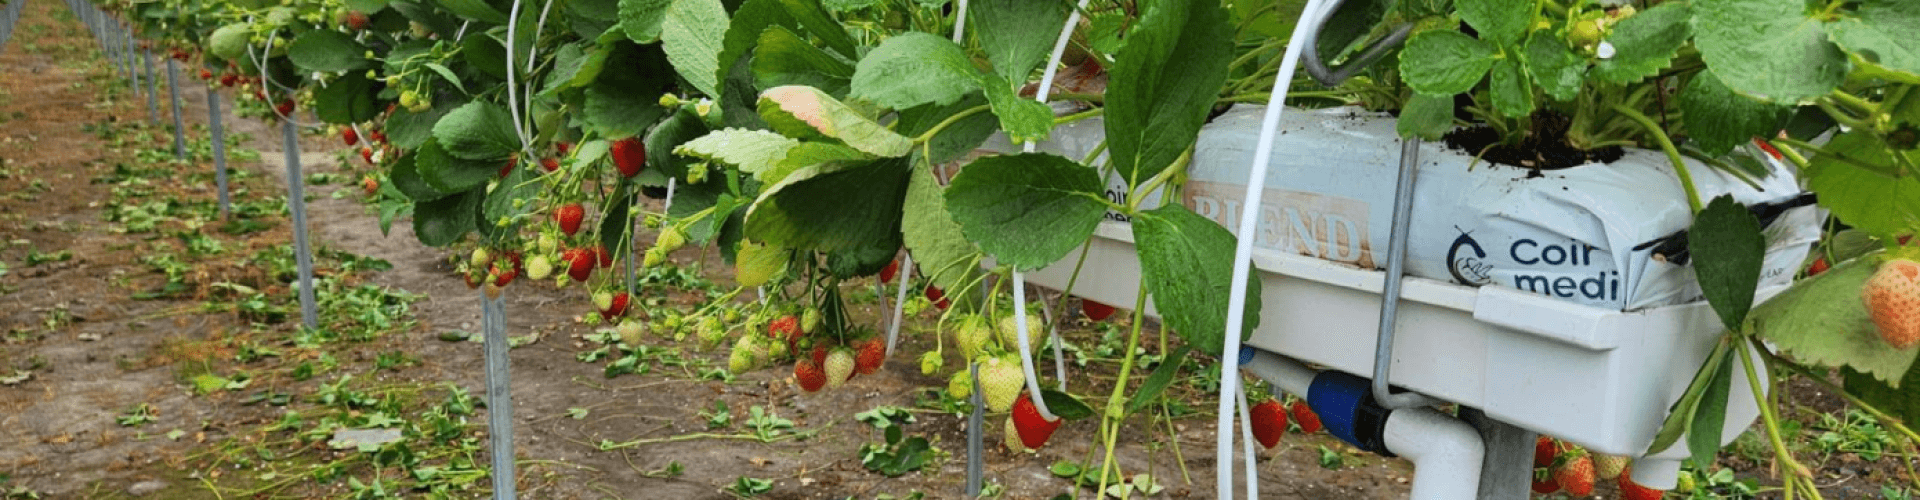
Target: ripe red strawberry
(206,74)
(378,136)
(569,216)
(355,20)
(1818,266)
(606,258)
(1545,449)
(1096,311)
(786,328)
(1893,299)
(370,184)
(579,263)
(562,147)
(1575,473)
(629,155)
(1543,482)
(886,273)
(229,79)
(503,275)
(1304,415)
(550,164)
(1269,423)
(616,308)
(938,298)
(1630,490)
(366,153)
(1033,427)
(349,136)
(809,374)
(285,108)
(873,353)
(839,366)
(508,168)
(819,354)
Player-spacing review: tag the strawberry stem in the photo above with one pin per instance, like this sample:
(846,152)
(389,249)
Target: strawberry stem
(1115,412)
(1673,154)
(1795,474)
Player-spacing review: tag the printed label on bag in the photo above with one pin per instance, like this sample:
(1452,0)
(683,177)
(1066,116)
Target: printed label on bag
(1310,224)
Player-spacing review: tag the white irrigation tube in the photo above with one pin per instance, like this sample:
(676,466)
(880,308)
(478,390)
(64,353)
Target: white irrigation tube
(1246,434)
(1243,254)
(899,299)
(960,24)
(1019,278)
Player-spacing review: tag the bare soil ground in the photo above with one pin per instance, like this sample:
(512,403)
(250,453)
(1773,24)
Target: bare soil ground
(81,353)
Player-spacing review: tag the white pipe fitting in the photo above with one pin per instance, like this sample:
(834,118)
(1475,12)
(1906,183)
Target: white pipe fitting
(1286,374)
(1446,453)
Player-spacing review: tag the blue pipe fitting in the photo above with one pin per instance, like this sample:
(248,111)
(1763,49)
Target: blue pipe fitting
(1346,406)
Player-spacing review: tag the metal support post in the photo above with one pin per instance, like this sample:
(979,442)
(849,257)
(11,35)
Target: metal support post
(976,453)
(1506,470)
(179,127)
(297,204)
(218,135)
(499,395)
(153,86)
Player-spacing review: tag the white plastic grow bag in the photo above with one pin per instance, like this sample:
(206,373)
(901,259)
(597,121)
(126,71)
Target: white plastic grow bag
(1596,370)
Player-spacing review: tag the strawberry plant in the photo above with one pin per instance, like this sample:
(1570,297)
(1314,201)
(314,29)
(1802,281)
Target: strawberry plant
(809,145)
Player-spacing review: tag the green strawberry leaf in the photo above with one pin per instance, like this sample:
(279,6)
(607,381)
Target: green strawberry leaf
(1710,414)
(914,68)
(960,137)
(576,65)
(1720,120)
(1164,82)
(1822,321)
(616,223)
(1768,49)
(751,151)
(1499,22)
(1027,210)
(681,127)
(832,207)
(1015,34)
(441,222)
(1882,33)
(641,19)
(507,201)
(349,99)
(1185,262)
(406,178)
(1444,62)
(691,33)
(327,51)
(1728,252)
(477,131)
(475,10)
(1555,68)
(1903,404)
(451,174)
(1065,405)
(743,35)
(940,249)
(783,58)
(1023,119)
(1866,199)
(1158,381)
(1426,116)
(1680,415)
(1512,90)
(807,154)
(1645,43)
(801,112)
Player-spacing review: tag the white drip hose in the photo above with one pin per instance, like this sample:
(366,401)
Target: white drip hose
(1243,253)
(1019,278)
(1246,434)
(960,24)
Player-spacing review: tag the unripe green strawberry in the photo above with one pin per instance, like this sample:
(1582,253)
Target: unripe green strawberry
(547,243)
(539,267)
(930,362)
(731,315)
(711,331)
(972,335)
(1609,466)
(839,366)
(960,385)
(1892,296)
(776,349)
(671,238)
(481,257)
(603,300)
(630,331)
(1009,332)
(810,320)
(1000,382)
(741,359)
(653,258)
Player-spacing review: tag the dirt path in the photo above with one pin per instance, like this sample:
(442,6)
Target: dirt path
(95,355)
